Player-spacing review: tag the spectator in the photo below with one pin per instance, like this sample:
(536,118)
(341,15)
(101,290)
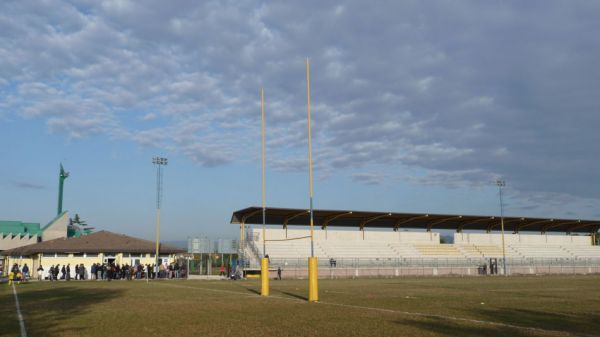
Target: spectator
(40,271)
(25,272)
(81,272)
(279,273)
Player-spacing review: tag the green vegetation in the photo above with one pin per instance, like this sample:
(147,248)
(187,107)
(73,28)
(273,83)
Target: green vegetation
(452,306)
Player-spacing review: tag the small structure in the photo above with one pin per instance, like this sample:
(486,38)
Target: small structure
(15,234)
(99,247)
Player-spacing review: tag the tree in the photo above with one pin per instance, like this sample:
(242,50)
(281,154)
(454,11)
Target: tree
(78,227)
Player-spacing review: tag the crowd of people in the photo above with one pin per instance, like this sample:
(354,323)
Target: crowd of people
(100,271)
(18,274)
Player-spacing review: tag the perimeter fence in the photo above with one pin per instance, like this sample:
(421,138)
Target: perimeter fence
(396,267)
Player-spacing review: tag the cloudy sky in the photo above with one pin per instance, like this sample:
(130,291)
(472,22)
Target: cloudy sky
(416,106)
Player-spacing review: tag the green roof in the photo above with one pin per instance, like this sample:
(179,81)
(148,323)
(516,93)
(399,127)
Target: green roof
(19,227)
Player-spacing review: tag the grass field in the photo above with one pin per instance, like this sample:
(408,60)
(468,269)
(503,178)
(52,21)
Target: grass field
(470,306)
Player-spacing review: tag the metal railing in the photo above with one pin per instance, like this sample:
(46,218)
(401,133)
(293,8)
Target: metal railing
(391,267)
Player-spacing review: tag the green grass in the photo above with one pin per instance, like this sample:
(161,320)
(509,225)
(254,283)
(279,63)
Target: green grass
(469,306)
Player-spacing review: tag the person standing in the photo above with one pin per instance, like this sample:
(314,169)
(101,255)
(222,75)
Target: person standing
(25,272)
(40,271)
(279,273)
(68,272)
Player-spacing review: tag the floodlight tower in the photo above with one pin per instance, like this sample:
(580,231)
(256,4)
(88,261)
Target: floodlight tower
(501,184)
(61,182)
(159,162)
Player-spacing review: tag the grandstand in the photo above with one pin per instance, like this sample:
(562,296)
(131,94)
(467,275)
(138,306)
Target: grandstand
(340,245)
(344,246)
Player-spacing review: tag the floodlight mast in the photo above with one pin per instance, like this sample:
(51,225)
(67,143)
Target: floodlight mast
(501,184)
(159,162)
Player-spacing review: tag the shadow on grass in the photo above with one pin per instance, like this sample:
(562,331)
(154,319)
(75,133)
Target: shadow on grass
(295,295)
(457,328)
(47,311)
(9,326)
(257,292)
(252,290)
(588,322)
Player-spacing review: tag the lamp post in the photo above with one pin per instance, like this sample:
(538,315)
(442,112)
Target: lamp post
(502,183)
(159,162)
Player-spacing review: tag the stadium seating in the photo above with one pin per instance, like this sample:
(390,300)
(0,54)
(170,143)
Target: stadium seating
(404,250)
(380,246)
(583,252)
(438,250)
(539,251)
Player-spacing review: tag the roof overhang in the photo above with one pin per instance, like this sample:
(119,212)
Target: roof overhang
(394,220)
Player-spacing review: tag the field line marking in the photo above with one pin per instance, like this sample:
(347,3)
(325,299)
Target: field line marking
(406,313)
(19,315)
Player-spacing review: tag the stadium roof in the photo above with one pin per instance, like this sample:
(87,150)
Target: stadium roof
(99,242)
(394,220)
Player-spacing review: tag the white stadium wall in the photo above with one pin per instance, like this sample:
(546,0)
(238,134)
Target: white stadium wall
(255,234)
(514,239)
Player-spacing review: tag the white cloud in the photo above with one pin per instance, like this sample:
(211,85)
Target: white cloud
(390,86)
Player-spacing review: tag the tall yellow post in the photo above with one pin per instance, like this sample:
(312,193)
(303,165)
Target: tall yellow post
(241,259)
(264,276)
(313,289)
(264,262)
(313,285)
